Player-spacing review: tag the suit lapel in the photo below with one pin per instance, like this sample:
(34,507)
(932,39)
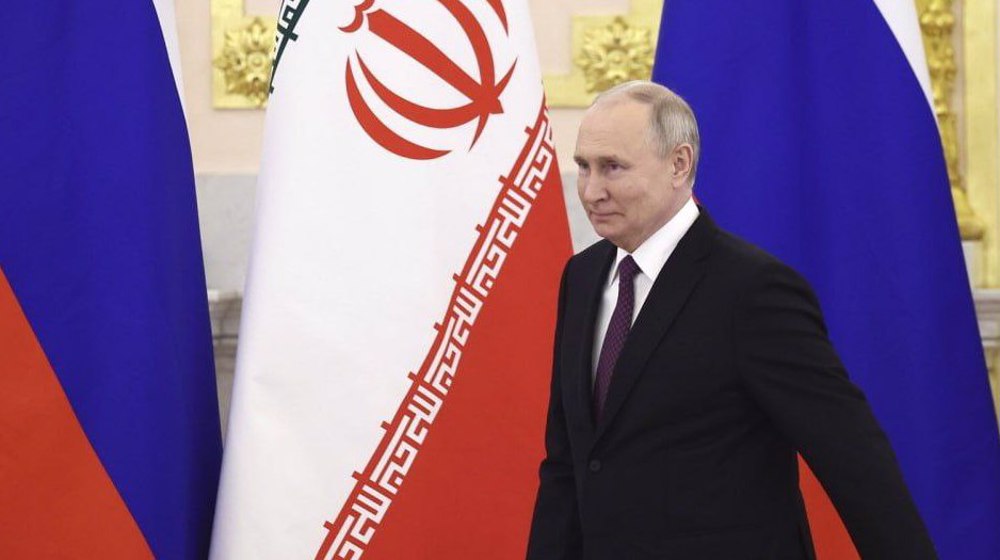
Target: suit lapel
(675,283)
(592,288)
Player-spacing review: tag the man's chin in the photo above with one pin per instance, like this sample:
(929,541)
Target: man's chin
(606,232)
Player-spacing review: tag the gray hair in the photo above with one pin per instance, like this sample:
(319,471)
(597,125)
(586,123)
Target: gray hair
(671,121)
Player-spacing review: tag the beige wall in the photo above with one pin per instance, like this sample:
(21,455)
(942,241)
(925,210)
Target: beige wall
(223,142)
(228,141)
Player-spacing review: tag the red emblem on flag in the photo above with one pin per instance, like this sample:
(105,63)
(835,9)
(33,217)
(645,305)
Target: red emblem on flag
(483,95)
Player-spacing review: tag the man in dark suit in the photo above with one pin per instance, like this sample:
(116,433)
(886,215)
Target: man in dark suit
(689,368)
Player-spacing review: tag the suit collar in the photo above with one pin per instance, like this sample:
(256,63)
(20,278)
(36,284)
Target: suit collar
(655,251)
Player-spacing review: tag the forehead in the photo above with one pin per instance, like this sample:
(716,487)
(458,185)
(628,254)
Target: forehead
(615,127)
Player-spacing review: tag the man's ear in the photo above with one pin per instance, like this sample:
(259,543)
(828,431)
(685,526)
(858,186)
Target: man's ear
(681,159)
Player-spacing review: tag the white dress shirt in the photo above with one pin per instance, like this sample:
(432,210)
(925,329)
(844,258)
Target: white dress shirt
(650,256)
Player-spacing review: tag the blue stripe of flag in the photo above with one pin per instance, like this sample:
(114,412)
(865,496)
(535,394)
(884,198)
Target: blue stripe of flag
(819,145)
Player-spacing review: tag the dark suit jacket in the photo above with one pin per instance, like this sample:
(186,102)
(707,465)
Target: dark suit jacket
(726,374)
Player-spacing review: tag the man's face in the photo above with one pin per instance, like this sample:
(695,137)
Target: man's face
(628,190)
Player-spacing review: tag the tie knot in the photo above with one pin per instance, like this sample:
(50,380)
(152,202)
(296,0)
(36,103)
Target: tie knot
(627,269)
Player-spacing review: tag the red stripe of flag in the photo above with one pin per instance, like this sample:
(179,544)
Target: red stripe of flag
(830,537)
(58,501)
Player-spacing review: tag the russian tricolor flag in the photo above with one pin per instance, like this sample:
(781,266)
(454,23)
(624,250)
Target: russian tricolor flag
(109,428)
(820,144)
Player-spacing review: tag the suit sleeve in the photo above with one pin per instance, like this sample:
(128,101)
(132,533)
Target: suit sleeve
(555,525)
(789,366)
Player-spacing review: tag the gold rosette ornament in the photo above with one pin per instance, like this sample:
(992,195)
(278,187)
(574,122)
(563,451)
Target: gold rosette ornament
(245,60)
(615,53)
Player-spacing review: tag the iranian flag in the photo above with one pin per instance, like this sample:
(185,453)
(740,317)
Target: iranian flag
(395,351)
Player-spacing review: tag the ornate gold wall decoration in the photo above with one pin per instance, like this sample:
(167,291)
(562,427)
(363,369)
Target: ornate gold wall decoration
(615,53)
(980,32)
(241,56)
(607,50)
(246,60)
(937,22)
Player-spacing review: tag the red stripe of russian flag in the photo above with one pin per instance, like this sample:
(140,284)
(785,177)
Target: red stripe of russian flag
(58,501)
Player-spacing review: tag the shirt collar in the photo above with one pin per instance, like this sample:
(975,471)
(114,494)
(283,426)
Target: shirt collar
(654,252)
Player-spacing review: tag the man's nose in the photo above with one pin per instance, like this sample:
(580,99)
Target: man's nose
(592,189)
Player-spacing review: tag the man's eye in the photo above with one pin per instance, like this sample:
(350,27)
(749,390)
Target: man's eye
(612,166)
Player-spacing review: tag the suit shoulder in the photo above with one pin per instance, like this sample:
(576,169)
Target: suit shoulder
(594,256)
(744,259)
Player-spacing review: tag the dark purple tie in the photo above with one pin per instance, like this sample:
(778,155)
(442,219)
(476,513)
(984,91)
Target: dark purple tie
(618,328)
